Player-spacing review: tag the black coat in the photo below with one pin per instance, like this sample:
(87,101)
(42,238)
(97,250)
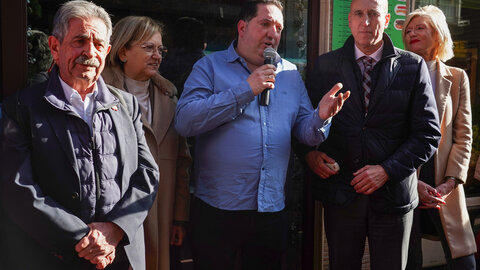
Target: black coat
(400,131)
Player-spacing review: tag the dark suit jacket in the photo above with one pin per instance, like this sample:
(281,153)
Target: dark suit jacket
(400,131)
(40,183)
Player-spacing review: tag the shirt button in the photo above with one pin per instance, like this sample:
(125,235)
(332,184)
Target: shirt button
(263,168)
(75,196)
(264,124)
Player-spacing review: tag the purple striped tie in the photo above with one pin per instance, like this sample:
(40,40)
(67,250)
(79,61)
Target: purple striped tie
(367,80)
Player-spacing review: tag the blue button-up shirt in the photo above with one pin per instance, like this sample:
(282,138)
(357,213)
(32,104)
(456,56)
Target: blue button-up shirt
(242,148)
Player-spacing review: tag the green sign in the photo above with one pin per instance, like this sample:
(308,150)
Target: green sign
(341,31)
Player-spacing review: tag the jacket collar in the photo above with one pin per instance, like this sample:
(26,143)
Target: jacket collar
(162,98)
(55,95)
(115,77)
(348,49)
(443,86)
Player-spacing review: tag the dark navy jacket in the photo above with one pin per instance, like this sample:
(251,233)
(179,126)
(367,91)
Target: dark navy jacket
(400,131)
(45,172)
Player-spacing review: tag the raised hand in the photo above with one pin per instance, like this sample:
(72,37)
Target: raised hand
(330,104)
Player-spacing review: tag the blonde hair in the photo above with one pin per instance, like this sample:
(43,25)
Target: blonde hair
(128,31)
(438,22)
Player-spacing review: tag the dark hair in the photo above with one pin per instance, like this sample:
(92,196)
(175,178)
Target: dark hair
(250,8)
(189,33)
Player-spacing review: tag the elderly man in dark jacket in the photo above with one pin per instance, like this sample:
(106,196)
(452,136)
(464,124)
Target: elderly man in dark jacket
(383,134)
(77,179)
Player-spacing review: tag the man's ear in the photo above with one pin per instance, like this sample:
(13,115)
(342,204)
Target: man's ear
(54,45)
(241,25)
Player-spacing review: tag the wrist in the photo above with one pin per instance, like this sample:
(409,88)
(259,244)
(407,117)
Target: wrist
(453,180)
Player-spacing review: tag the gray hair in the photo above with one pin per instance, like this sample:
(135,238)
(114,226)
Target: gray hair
(78,9)
(437,20)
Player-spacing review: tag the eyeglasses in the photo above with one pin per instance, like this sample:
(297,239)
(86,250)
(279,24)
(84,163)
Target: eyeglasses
(150,48)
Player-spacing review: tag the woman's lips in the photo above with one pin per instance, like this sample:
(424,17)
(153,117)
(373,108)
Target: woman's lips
(414,41)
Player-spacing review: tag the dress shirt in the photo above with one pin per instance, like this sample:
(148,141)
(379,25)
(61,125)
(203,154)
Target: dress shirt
(84,108)
(377,56)
(242,148)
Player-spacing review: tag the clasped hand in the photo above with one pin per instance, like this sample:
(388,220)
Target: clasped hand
(99,245)
(434,197)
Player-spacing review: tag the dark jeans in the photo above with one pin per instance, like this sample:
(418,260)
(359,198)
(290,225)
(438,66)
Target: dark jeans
(221,236)
(348,227)
(415,256)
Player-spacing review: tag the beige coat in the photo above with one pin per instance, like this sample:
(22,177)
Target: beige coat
(452,95)
(171,153)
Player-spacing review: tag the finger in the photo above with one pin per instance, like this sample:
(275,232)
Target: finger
(361,170)
(89,253)
(431,189)
(102,264)
(439,201)
(270,66)
(361,187)
(326,158)
(370,191)
(269,85)
(335,89)
(346,95)
(84,242)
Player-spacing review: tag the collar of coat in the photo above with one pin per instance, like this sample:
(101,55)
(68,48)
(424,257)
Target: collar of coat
(115,77)
(348,49)
(56,96)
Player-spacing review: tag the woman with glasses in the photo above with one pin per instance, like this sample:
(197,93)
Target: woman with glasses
(442,212)
(136,54)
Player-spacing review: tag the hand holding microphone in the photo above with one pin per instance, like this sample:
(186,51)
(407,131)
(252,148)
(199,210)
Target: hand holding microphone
(270,55)
(263,78)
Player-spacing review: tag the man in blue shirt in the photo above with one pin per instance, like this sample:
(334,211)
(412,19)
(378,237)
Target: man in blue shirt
(242,148)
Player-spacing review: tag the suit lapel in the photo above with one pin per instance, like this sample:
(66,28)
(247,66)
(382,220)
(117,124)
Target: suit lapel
(352,83)
(442,89)
(163,113)
(58,121)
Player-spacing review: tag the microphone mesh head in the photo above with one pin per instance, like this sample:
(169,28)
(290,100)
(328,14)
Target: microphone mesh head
(269,53)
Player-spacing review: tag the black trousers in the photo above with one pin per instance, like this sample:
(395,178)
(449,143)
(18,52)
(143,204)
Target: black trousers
(348,227)
(219,237)
(415,256)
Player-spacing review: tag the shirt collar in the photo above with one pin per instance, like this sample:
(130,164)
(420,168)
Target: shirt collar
(232,55)
(71,93)
(377,55)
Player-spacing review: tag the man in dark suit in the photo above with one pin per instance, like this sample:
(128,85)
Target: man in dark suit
(77,177)
(388,129)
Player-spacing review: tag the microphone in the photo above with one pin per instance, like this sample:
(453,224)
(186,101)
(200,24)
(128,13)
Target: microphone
(270,56)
